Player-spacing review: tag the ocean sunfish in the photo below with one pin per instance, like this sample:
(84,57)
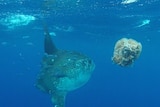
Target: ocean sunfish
(62,71)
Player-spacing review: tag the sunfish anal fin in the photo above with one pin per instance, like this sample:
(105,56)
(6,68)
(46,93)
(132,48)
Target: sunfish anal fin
(58,99)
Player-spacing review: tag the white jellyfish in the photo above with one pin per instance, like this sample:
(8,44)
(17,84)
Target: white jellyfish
(126,51)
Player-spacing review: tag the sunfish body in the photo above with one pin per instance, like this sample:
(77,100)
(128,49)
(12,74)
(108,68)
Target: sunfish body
(62,71)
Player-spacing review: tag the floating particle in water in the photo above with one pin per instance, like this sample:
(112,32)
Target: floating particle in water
(25,37)
(30,44)
(4,43)
(52,33)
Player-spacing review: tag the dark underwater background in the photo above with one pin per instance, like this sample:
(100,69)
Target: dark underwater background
(91,27)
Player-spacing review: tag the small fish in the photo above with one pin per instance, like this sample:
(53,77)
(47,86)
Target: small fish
(128,1)
(144,22)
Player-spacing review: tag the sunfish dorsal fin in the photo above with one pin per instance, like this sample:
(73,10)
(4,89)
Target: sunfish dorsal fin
(49,46)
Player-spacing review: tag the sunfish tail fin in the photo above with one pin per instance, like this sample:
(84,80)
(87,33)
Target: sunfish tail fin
(49,46)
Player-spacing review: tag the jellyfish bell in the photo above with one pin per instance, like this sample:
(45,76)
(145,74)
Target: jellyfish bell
(126,51)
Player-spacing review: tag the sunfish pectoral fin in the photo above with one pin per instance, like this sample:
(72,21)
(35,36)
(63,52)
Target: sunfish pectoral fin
(49,46)
(58,99)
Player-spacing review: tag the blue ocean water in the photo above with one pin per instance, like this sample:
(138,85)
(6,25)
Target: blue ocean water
(88,26)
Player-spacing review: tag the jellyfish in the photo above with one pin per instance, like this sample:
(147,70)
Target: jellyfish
(126,51)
